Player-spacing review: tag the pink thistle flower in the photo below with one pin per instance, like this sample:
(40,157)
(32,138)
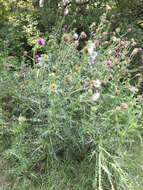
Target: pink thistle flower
(66,11)
(9,58)
(125,106)
(73,44)
(95,96)
(19,75)
(109,8)
(83,35)
(109,63)
(111,70)
(115,52)
(25,52)
(13,119)
(97,42)
(24,70)
(129,29)
(139,49)
(54,43)
(65,26)
(91,60)
(41,42)
(63,30)
(119,109)
(37,57)
(6,66)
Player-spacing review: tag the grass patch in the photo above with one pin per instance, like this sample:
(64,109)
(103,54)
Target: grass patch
(74,176)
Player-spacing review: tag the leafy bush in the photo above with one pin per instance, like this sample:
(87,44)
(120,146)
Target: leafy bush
(70,105)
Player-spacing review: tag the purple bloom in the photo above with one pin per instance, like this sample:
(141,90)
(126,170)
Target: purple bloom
(83,35)
(129,29)
(111,70)
(14,119)
(41,42)
(37,57)
(63,30)
(125,106)
(25,52)
(114,51)
(6,66)
(91,60)
(65,26)
(109,62)
(19,75)
(9,58)
(24,70)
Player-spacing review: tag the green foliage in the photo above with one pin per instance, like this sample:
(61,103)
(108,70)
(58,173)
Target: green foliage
(77,103)
(70,105)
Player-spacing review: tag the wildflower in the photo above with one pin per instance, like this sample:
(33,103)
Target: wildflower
(109,62)
(13,119)
(95,96)
(119,109)
(63,30)
(66,11)
(75,36)
(54,86)
(41,3)
(66,37)
(106,42)
(111,70)
(104,33)
(21,119)
(83,35)
(41,42)
(129,29)
(117,30)
(140,97)
(109,8)
(37,57)
(6,66)
(54,69)
(74,13)
(65,26)
(139,49)
(76,69)
(94,55)
(125,106)
(69,79)
(65,2)
(114,38)
(19,75)
(133,89)
(103,83)
(91,60)
(9,58)
(90,48)
(96,84)
(114,52)
(25,52)
(97,42)
(24,70)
